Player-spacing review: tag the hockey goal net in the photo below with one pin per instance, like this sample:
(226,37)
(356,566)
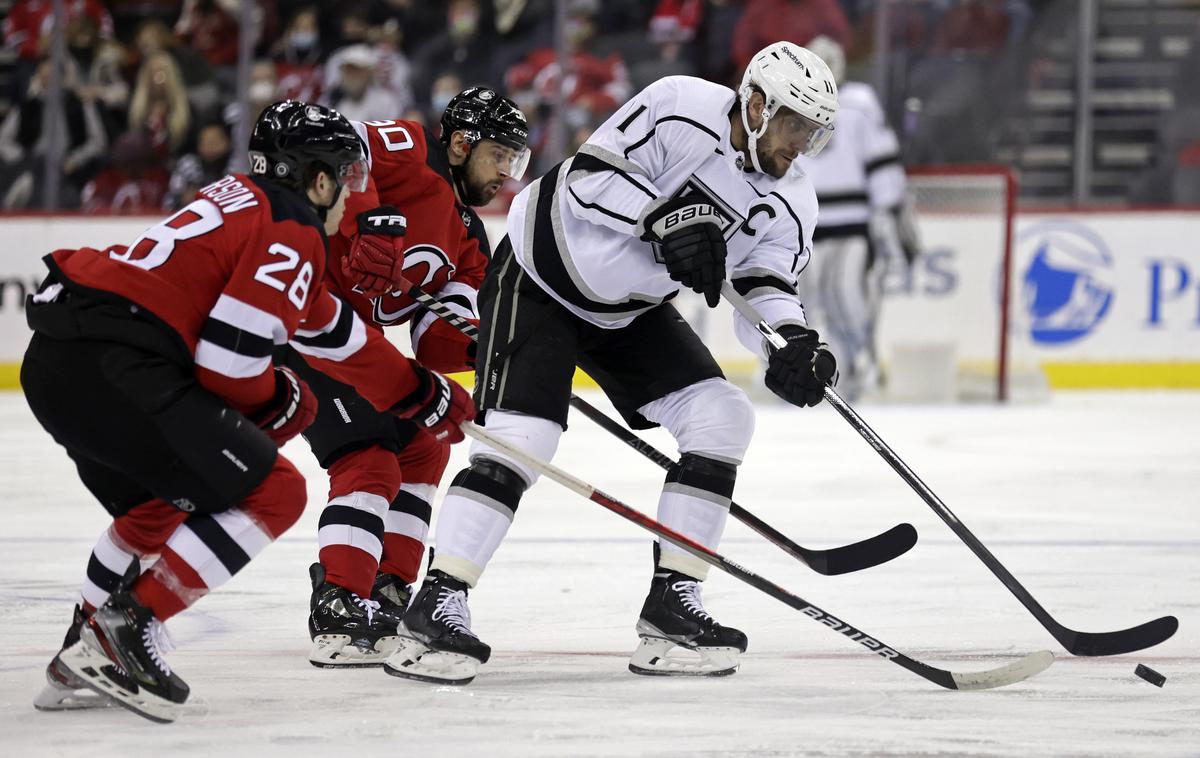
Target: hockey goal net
(948,328)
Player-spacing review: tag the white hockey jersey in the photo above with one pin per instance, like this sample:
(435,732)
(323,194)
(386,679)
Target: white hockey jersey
(576,230)
(859,171)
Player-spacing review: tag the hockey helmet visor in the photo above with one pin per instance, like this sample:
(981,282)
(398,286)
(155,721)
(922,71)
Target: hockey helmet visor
(795,129)
(353,175)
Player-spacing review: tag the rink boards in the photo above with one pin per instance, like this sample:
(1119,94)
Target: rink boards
(1108,299)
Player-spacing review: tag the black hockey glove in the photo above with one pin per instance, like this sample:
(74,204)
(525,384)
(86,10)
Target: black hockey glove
(690,243)
(799,372)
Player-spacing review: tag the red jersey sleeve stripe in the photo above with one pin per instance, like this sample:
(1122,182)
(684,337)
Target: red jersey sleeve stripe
(341,338)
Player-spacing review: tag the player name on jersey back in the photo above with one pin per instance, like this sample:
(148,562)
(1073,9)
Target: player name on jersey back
(229,194)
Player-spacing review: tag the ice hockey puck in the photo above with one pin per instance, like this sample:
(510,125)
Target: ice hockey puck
(1150,675)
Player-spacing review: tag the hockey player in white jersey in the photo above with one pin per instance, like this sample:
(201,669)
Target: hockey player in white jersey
(865,226)
(687,184)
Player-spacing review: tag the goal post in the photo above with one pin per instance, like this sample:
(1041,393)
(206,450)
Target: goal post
(950,320)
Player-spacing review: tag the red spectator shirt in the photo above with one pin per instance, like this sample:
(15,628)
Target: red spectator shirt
(235,273)
(29,20)
(445,249)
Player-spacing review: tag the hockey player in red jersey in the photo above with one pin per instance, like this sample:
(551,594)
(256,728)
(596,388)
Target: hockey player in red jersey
(415,221)
(151,365)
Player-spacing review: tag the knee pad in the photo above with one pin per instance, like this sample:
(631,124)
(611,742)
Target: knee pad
(712,418)
(371,469)
(537,436)
(701,473)
(494,480)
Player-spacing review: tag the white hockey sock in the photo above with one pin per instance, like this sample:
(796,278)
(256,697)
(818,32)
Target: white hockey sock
(695,502)
(468,533)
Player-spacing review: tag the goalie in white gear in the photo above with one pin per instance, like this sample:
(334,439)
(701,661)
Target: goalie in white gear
(662,195)
(865,228)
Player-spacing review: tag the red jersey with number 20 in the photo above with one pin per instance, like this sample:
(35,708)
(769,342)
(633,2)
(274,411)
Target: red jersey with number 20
(236,272)
(445,248)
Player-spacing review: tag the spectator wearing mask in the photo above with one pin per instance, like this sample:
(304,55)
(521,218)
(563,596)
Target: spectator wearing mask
(297,55)
(209,163)
(464,48)
(24,139)
(99,63)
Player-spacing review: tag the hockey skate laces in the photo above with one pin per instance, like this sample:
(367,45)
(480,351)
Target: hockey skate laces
(370,606)
(452,607)
(689,594)
(158,641)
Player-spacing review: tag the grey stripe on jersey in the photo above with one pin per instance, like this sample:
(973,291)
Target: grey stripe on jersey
(572,289)
(758,282)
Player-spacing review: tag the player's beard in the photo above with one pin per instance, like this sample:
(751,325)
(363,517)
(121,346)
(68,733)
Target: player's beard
(477,191)
(770,160)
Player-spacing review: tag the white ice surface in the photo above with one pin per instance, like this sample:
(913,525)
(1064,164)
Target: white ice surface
(1092,501)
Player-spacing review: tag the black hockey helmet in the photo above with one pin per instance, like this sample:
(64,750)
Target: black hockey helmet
(482,113)
(292,140)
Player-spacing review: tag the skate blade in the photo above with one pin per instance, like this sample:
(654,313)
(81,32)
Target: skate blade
(56,697)
(339,651)
(85,661)
(416,661)
(656,656)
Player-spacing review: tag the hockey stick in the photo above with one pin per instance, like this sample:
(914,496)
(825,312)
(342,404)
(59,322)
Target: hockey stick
(1077,643)
(839,560)
(1010,673)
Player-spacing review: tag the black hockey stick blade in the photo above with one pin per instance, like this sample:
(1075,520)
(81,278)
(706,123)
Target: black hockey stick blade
(837,560)
(1119,642)
(1076,643)
(1010,673)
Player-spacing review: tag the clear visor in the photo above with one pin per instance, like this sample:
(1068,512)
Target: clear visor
(510,161)
(353,176)
(803,134)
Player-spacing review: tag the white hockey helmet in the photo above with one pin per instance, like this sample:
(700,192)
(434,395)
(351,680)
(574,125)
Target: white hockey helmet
(792,77)
(828,50)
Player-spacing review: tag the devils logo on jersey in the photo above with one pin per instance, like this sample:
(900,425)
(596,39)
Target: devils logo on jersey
(429,268)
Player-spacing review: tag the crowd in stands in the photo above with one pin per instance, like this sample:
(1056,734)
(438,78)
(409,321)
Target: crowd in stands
(151,106)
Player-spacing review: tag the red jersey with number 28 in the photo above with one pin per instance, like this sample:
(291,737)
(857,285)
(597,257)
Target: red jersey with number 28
(445,248)
(236,272)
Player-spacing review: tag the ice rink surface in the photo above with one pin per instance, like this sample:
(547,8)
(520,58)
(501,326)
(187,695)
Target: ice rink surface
(1092,501)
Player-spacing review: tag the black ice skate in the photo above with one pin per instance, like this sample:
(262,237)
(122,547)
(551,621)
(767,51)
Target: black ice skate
(438,644)
(392,593)
(120,655)
(673,617)
(348,631)
(64,691)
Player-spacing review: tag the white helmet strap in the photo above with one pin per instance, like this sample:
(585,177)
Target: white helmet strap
(751,134)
